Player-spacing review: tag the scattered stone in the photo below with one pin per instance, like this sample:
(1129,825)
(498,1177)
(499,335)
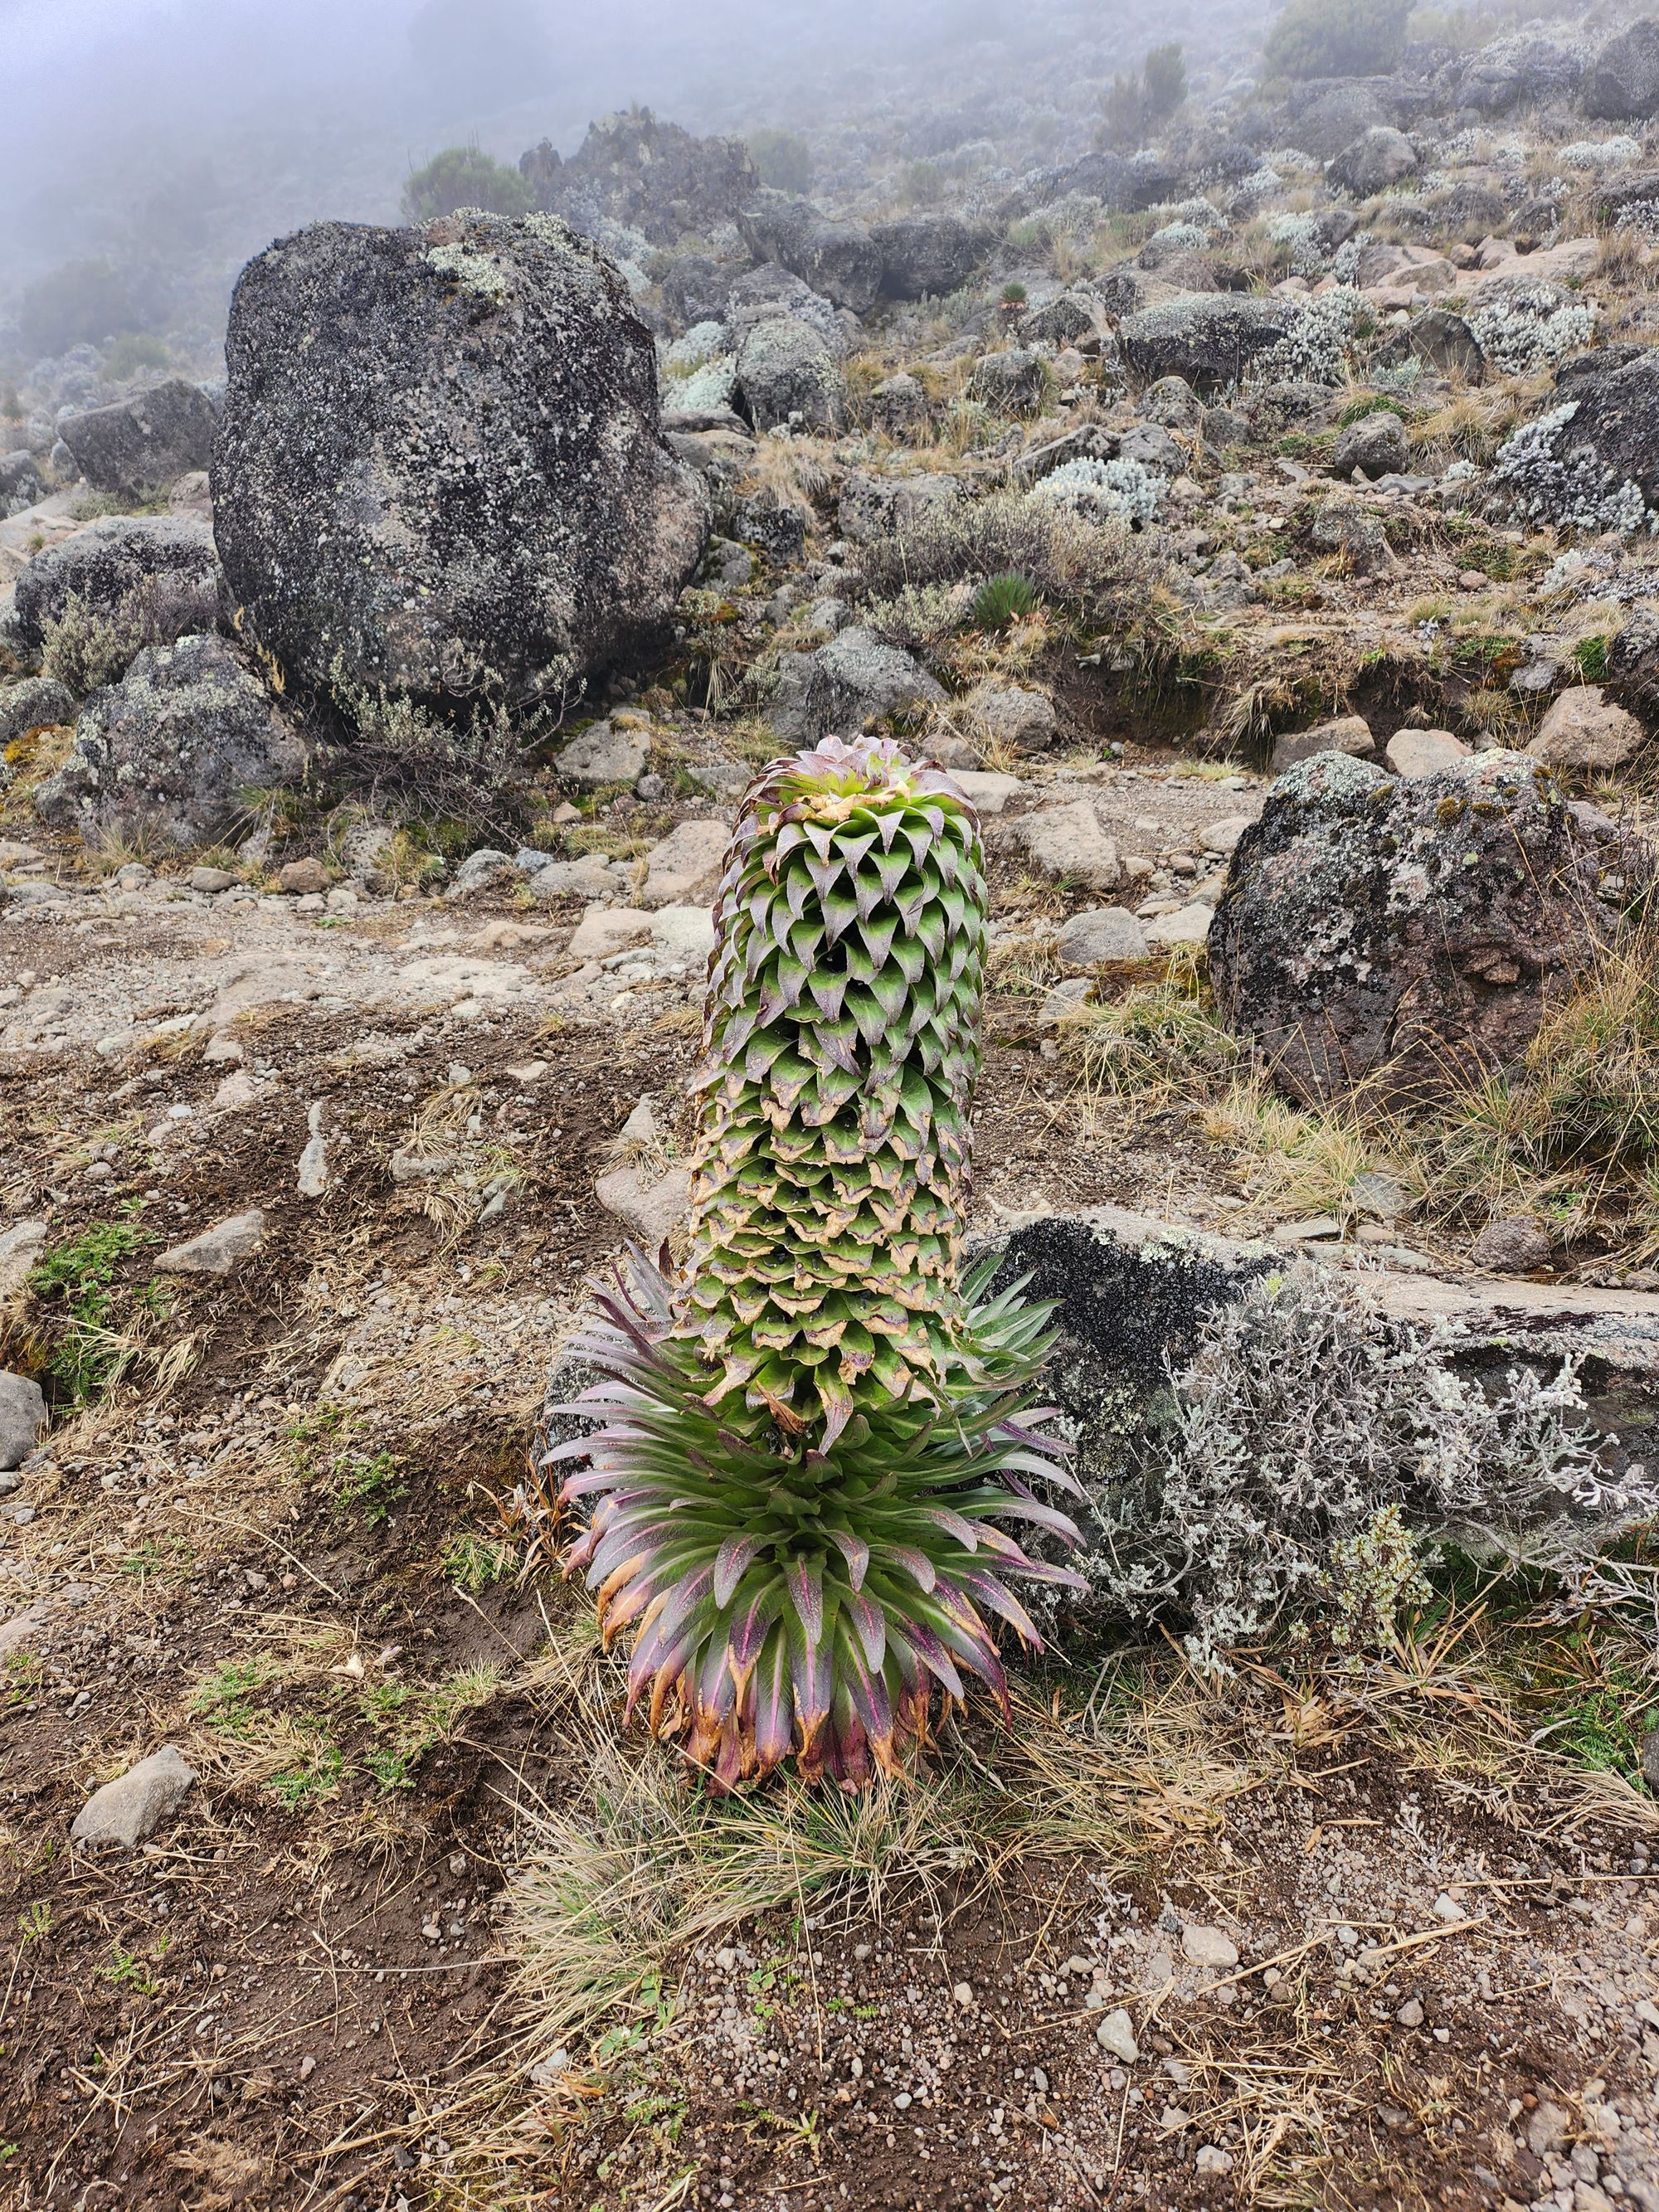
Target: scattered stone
(603,754)
(686,866)
(1378,158)
(1375,444)
(1009,383)
(212,879)
(300,878)
(1208,1947)
(1343,526)
(844,684)
(1222,837)
(1348,733)
(1424,752)
(1515,1244)
(1210,338)
(987,790)
(313,1173)
(683,932)
(1188,924)
(1410,2014)
(131,1807)
(1100,933)
(37,702)
(1584,729)
(1212,2158)
(1117,2033)
(1019,720)
(21,1246)
(22,1417)
(603,930)
(788,377)
(1068,841)
(651,1208)
(218,1250)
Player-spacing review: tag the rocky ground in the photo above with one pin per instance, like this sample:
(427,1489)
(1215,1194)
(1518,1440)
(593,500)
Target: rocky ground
(1257,513)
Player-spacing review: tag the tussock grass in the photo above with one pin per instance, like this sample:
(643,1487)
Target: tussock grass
(1161,1038)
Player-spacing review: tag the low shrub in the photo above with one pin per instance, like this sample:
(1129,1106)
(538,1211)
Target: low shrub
(1069,561)
(465,176)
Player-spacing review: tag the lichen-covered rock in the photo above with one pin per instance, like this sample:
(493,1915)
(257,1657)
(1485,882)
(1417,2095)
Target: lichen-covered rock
(139,447)
(1408,931)
(1514,72)
(653,176)
(1375,444)
(898,406)
(1343,526)
(1209,338)
(926,256)
(788,374)
(37,702)
(875,507)
(1325,117)
(1073,318)
(1379,157)
(171,752)
(840,260)
(836,689)
(20,481)
(103,565)
(1591,462)
(441,455)
(1623,83)
(1009,382)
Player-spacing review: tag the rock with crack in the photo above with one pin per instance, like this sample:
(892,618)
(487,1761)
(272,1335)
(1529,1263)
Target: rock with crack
(220,1249)
(1410,933)
(126,1811)
(311,1177)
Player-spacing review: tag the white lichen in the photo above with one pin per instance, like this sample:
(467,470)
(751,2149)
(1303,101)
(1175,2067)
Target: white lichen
(1575,493)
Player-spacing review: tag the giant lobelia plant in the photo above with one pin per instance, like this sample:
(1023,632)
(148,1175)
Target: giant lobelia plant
(810,1440)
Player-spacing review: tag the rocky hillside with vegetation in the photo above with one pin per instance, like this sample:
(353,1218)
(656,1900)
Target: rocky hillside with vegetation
(829,1146)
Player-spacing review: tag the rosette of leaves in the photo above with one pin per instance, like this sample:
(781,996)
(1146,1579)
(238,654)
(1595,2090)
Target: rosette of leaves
(810,1444)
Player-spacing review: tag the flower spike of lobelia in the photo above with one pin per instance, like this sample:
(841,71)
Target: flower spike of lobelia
(810,1442)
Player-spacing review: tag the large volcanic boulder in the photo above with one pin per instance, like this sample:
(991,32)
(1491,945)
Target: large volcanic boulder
(172,753)
(1208,338)
(632,168)
(926,256)
(1419,926)
(840,260)
(139,447)
(442,456)
(1623,85)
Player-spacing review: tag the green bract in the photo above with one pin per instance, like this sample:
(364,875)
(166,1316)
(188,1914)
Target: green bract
(809,1441)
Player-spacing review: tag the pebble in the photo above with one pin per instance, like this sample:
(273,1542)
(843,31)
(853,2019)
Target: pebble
(1209,1947)
(1410,2014)
(1117,2033)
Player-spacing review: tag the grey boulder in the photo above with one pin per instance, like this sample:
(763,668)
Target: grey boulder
(1379,157)
(1375,444)
(925,256)
(787,375)
(1623,83)
(1100,933)
(172,750)
(21,485)
(844,684)
(1010,383)
(1209,338)
(442,454)
(127,1810)
(22,1417)
(139,447)
(602,754)
(37,702)
(112,561)
(840,260)
(1411,932)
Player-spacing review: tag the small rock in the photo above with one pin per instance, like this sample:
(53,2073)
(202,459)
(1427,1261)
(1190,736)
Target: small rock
(1410,2014)
(962,1993)
(1447,1909)
(1069,842)
(21,1246)
(1584,730)
(686,866)
(1220,837)
(1208,1947)
(216,1250)
(1517,1244)
(303,877)
(1117,2033)
(222,1051)
(986,790)
(22,1417)
(603,754)
(1099,933)
(1188,924)
(1547,2129)
(652,1208)
(603,930)
(1212,2158)
(1424,752)
(683,932)
(212,879)
(1022,721)
(312,1175)
(130,1808)
(237,1091)
(1348,733)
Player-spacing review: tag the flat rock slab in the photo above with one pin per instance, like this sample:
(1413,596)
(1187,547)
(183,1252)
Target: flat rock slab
(130,1808)
(218,1250)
